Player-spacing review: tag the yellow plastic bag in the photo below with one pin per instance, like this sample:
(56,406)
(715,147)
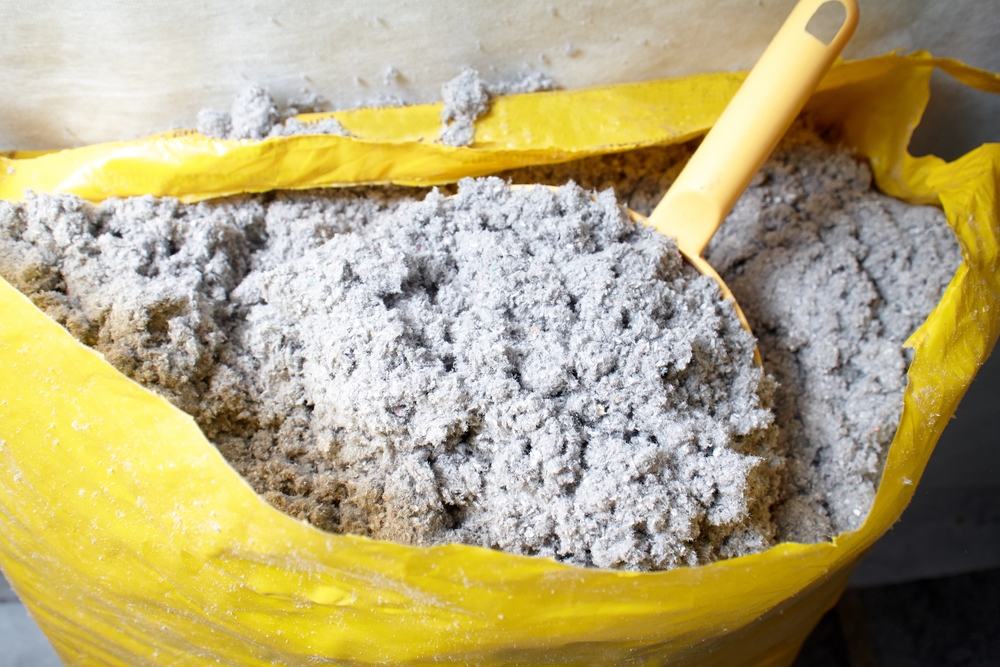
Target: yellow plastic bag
(132,542)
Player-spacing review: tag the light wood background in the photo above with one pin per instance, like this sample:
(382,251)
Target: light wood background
(99,70)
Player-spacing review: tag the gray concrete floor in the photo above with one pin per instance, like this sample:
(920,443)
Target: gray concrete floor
(22,644)
(945,622)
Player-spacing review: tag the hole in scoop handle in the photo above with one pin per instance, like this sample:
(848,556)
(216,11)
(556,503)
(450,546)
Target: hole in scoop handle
(750,127)
(827,21)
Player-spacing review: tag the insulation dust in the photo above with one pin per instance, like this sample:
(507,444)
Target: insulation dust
(833,278)
(255,115)
(523,370)
(467,97)
(520,370)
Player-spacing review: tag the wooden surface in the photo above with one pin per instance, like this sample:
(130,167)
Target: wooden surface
(101,70)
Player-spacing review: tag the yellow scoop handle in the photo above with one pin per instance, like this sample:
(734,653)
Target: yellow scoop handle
(750,127)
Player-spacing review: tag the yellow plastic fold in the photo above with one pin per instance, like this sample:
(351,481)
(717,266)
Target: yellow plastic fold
(132,542)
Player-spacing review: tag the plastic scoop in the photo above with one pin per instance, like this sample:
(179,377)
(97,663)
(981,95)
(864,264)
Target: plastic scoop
(750,127)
